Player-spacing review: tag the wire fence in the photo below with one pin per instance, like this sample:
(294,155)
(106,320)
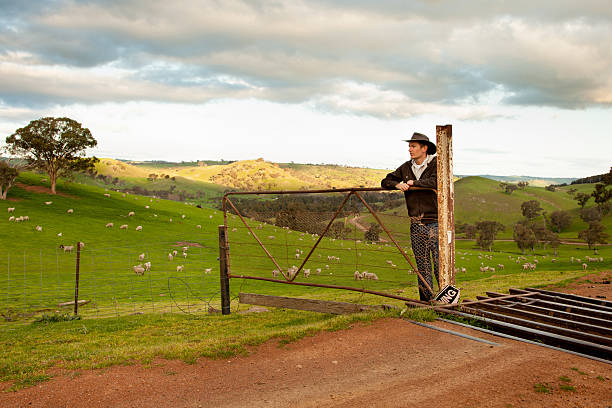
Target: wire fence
(165,276)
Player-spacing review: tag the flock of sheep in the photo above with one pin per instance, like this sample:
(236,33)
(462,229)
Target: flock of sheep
(139,269)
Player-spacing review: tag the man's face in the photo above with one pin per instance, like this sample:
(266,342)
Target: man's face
(417,151)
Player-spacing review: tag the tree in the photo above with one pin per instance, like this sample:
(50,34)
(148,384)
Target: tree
(591,214)
(54,145)
(560,220)
(554,241)
(487,230)
(373,233)
(470,231)
(8,175)
(508,188)
(593,235)
(582,199)
(523,236)
(531,209)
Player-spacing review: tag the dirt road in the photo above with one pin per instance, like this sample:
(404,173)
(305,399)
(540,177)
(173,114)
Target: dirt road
(390,363)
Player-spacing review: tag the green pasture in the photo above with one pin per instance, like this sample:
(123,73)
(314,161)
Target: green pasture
(36,275)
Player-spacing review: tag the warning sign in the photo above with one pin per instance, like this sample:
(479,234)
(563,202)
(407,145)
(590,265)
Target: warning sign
(449,295)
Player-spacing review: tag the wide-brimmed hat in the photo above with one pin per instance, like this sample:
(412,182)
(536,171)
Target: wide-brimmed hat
(421,138)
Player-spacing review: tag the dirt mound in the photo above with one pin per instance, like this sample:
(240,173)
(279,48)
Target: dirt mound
(41,190)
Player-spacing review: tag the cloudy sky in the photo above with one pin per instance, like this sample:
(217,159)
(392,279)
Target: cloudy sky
(526,85)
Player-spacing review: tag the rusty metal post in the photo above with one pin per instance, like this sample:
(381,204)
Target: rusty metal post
(446,205)
(223,270)
(76,279)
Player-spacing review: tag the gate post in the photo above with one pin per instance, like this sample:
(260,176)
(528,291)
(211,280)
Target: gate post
(446,205)
(223,270)
(76,278)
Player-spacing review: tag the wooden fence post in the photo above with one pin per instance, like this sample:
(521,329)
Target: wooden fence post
(223,270)
(76,279)
(446,205)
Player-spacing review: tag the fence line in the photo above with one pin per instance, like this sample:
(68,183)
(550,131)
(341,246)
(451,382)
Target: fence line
(108,282)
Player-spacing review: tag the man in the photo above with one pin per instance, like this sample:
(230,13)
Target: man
(422,205)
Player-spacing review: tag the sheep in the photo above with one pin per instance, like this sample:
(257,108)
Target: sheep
(271,237)
(207,270)
(170,257)
(138,269)
(70,211)
(106,195)
(12,218)
(492,269)
(131,214)
(183,216)
(368,275)
(170,220)
(147,207)
(147,266)
(292,271)
(584,266)
(26,218)
(139,228)
(210,216)
(463,270)
(81,245)
(38,228)
(179,268)
(553,260)
(357,275)
(198,226)
(48,202)
(110,225)
(297,256)
(59,234)
(306,273)
(67,248)
(275,273)
(175,252)
(124,226)
(185,255)
(500,267)
(141,257)
(11,209)
(155,215)
(185,248)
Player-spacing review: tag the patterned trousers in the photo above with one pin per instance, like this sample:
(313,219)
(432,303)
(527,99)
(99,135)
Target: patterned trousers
(424,239)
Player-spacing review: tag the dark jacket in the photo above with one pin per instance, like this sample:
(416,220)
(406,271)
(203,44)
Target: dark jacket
(422,205)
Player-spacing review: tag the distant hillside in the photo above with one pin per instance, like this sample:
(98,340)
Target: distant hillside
(251,174)
(533,181)
(479,198)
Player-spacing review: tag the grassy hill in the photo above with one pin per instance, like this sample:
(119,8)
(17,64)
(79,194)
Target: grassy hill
(479,198)
(252,174)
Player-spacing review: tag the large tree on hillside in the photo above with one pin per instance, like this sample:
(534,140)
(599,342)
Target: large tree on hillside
(53,145)
(523,236)
(560,220)
(487,230)
(531,209)
(595,234)
(8,175)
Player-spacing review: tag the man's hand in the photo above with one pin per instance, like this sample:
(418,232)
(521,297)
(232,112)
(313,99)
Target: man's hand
(404,186)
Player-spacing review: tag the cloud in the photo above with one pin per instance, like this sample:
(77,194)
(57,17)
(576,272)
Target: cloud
(390,59)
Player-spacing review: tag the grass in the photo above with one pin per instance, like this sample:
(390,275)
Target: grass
(567,387)
(543,388)
(37,349)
